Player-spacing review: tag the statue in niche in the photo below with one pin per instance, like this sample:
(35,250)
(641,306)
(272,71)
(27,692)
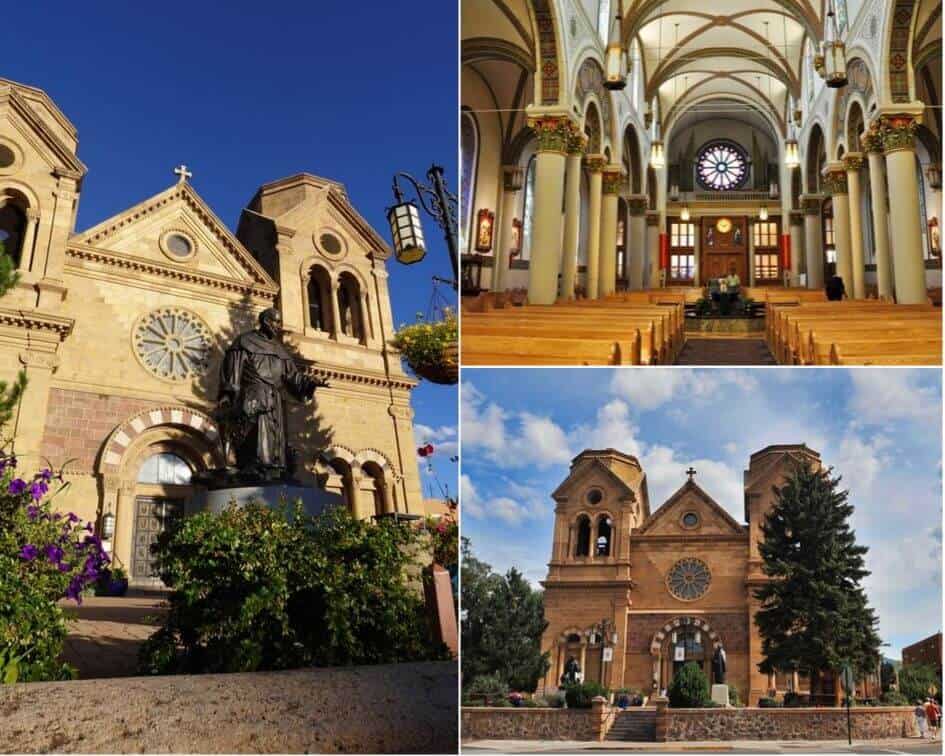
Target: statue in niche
(737,236)
(719,665)
(571,671)
(710,237)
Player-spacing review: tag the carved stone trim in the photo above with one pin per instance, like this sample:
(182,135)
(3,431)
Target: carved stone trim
(553,133)
(898,132)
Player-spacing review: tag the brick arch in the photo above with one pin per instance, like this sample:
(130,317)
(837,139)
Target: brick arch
(123,437)
(377,457)
(659,636)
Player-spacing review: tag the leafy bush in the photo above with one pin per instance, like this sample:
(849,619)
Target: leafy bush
(553,701)
(915,681)
(261,589)
(580,695)
(444,534)
(769,703)
(894,697)
(44,556)
(796,700)
(424,343)
(689,688)
(733,698)
(490,690)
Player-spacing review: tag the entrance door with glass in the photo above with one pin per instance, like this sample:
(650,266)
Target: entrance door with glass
(153,516)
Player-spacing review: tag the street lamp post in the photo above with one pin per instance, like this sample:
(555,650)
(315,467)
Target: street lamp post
(405,221)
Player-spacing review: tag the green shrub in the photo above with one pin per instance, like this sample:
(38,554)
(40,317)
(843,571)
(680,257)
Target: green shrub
(894,697)
(915,681)
(261,589)
(689,688)
(733,698)
(796,700)
(553,701)
(487,690)
(769,703)
(580,695)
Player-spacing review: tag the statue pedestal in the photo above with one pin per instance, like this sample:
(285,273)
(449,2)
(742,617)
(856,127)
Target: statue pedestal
(720,694)
(314,500)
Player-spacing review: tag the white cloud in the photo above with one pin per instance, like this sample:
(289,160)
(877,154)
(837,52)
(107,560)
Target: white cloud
(652,388)
(469,501)
(882,395)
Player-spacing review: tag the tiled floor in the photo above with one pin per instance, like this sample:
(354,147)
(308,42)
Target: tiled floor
(717,351)
(104,639)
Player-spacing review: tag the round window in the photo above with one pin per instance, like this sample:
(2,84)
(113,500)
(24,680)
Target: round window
(178,245)
(689,579)
(721,166)
(173,344)
(690,519)
(330,243)
(7,156)
(595,496)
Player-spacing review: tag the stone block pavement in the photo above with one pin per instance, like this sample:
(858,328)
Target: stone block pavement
(107,632)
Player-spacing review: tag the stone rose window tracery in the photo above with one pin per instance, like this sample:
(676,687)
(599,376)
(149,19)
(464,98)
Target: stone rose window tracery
(172,343)
(721,166)
(689,579)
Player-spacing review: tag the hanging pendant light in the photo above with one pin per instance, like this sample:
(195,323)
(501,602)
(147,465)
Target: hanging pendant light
(792,158)
(674,192)
(684,214)
(763,213)
(833,52)
(773,190)
(615,60)
(657,155)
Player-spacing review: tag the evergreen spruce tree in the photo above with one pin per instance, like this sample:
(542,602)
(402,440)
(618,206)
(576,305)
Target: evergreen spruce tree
(815,613)
(503,620)
(9,393)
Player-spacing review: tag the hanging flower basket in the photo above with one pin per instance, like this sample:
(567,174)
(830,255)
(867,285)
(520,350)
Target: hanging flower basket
(431,349)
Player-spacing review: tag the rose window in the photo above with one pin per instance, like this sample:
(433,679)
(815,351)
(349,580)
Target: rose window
(689,579)
(721,166)
(172,343)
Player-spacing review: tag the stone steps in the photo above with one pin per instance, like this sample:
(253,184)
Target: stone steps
(634,725)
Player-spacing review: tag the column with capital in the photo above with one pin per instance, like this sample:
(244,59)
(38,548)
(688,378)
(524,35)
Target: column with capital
(553,133)
(872,143)
(898,132)
(290,282)
(512,180)
(796,235)
(611,182)
(572,214)
(835,184)
(852,162)
(595,165)
(652,273)
(636,208)
(812,205)
(50,258)
(29,239)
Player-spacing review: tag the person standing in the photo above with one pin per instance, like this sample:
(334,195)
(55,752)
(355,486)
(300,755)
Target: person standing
(932,717)
(920,718)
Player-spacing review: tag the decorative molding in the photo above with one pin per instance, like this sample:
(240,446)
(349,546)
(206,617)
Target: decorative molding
(899,38)
(853,161)
(835,182)
(121,439)
(553,133)
(36,321)
(548,50)
(590,79)
(898,132)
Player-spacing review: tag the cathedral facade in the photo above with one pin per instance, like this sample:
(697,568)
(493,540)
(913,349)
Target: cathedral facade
(121,328)
(632,595)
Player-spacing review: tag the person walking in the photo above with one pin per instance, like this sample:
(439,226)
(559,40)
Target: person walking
(932,717)
(920,718)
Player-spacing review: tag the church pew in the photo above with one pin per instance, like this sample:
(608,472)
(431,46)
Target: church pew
(629,340)
(530,350)
(819,342)
(675,316)
(887,353)
(792,348)
(654,346)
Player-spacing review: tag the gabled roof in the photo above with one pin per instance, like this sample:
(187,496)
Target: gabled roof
(99,234)
(689,487)
(585,470)
(16,98)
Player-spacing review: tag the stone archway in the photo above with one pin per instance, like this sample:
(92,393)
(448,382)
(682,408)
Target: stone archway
(662,639)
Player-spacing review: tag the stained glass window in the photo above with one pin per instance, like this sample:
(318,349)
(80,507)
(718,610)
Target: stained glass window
(721,166)
(528,210)
(469,144)
(165,468)
(689,579)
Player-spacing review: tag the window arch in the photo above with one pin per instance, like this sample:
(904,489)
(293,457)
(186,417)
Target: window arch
(604,533)
(319,299)
(12,231)
(349,306)
(165,468)
(469,166)
(379,491)
(583,547)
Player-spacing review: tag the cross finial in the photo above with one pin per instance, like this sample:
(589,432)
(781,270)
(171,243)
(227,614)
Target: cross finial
(691,472)
(182,173)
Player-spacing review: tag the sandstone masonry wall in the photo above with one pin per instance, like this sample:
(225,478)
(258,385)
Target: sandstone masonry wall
(529,724)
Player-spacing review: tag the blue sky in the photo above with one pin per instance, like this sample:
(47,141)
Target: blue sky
(879,428)
(248,92)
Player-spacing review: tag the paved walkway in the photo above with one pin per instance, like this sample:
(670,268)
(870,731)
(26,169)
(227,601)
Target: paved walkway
(104,639)
(721,351)
(897,745)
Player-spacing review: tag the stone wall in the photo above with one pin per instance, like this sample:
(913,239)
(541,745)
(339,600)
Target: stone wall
(869,723)
(510,723)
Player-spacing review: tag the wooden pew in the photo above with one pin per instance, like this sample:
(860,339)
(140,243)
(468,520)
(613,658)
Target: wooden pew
(820,342)
(874,352)
(630,346)
(531,350)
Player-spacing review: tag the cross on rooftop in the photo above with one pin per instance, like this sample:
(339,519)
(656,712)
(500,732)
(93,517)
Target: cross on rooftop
(182,173)
(691,472)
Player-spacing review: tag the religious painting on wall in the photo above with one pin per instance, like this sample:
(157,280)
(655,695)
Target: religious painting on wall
(516,249)
(485,222)
(935,241)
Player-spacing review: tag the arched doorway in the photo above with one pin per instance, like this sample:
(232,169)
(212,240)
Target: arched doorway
(682,640)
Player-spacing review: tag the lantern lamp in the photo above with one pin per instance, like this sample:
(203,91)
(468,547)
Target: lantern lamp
(615,62)
(763,213)
(406,232)
(657,154)
(934,175)
(835,64)
(773,190)
(674,192)
(792,158)
(684,214)
(108,526)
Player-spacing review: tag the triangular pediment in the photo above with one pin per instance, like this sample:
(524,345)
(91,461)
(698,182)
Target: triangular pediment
(43,129)
(142,233)
(710,517)
(593,474)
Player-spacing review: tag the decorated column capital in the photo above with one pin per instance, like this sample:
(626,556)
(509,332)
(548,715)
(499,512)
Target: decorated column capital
(796,217)
(613,179)
(853,161)
(554,133)
(637,204)
(652,218)
(835,179)
(811,204)
(595,163)
(513,177)
(898,130)
(577,143)
(871,140)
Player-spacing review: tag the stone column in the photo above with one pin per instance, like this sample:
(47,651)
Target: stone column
(636,247)
(611,182)
(595,165)
(512,177)
(29,239)
(652,279)
(872,142)
(290,282)
(813,239)
(835,184)
(572,215)
(852,162)
(796,234)
(335,309)
(696,251)
(49,263)
(366,326)
(751,251)
(553,133)
(898,132)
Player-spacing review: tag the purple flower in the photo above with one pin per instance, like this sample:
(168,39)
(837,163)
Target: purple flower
(53,553)
(72,517)
(17,486)
(64,566)
(29,552)
(88,527)
(32,511)
(38,489)
(46,474)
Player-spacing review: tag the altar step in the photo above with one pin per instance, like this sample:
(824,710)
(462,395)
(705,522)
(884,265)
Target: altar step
(725,351)
(635,724)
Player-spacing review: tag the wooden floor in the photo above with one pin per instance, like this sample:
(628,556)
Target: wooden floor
(719,351)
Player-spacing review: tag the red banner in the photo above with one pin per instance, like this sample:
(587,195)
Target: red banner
(785,251)
(664,251)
